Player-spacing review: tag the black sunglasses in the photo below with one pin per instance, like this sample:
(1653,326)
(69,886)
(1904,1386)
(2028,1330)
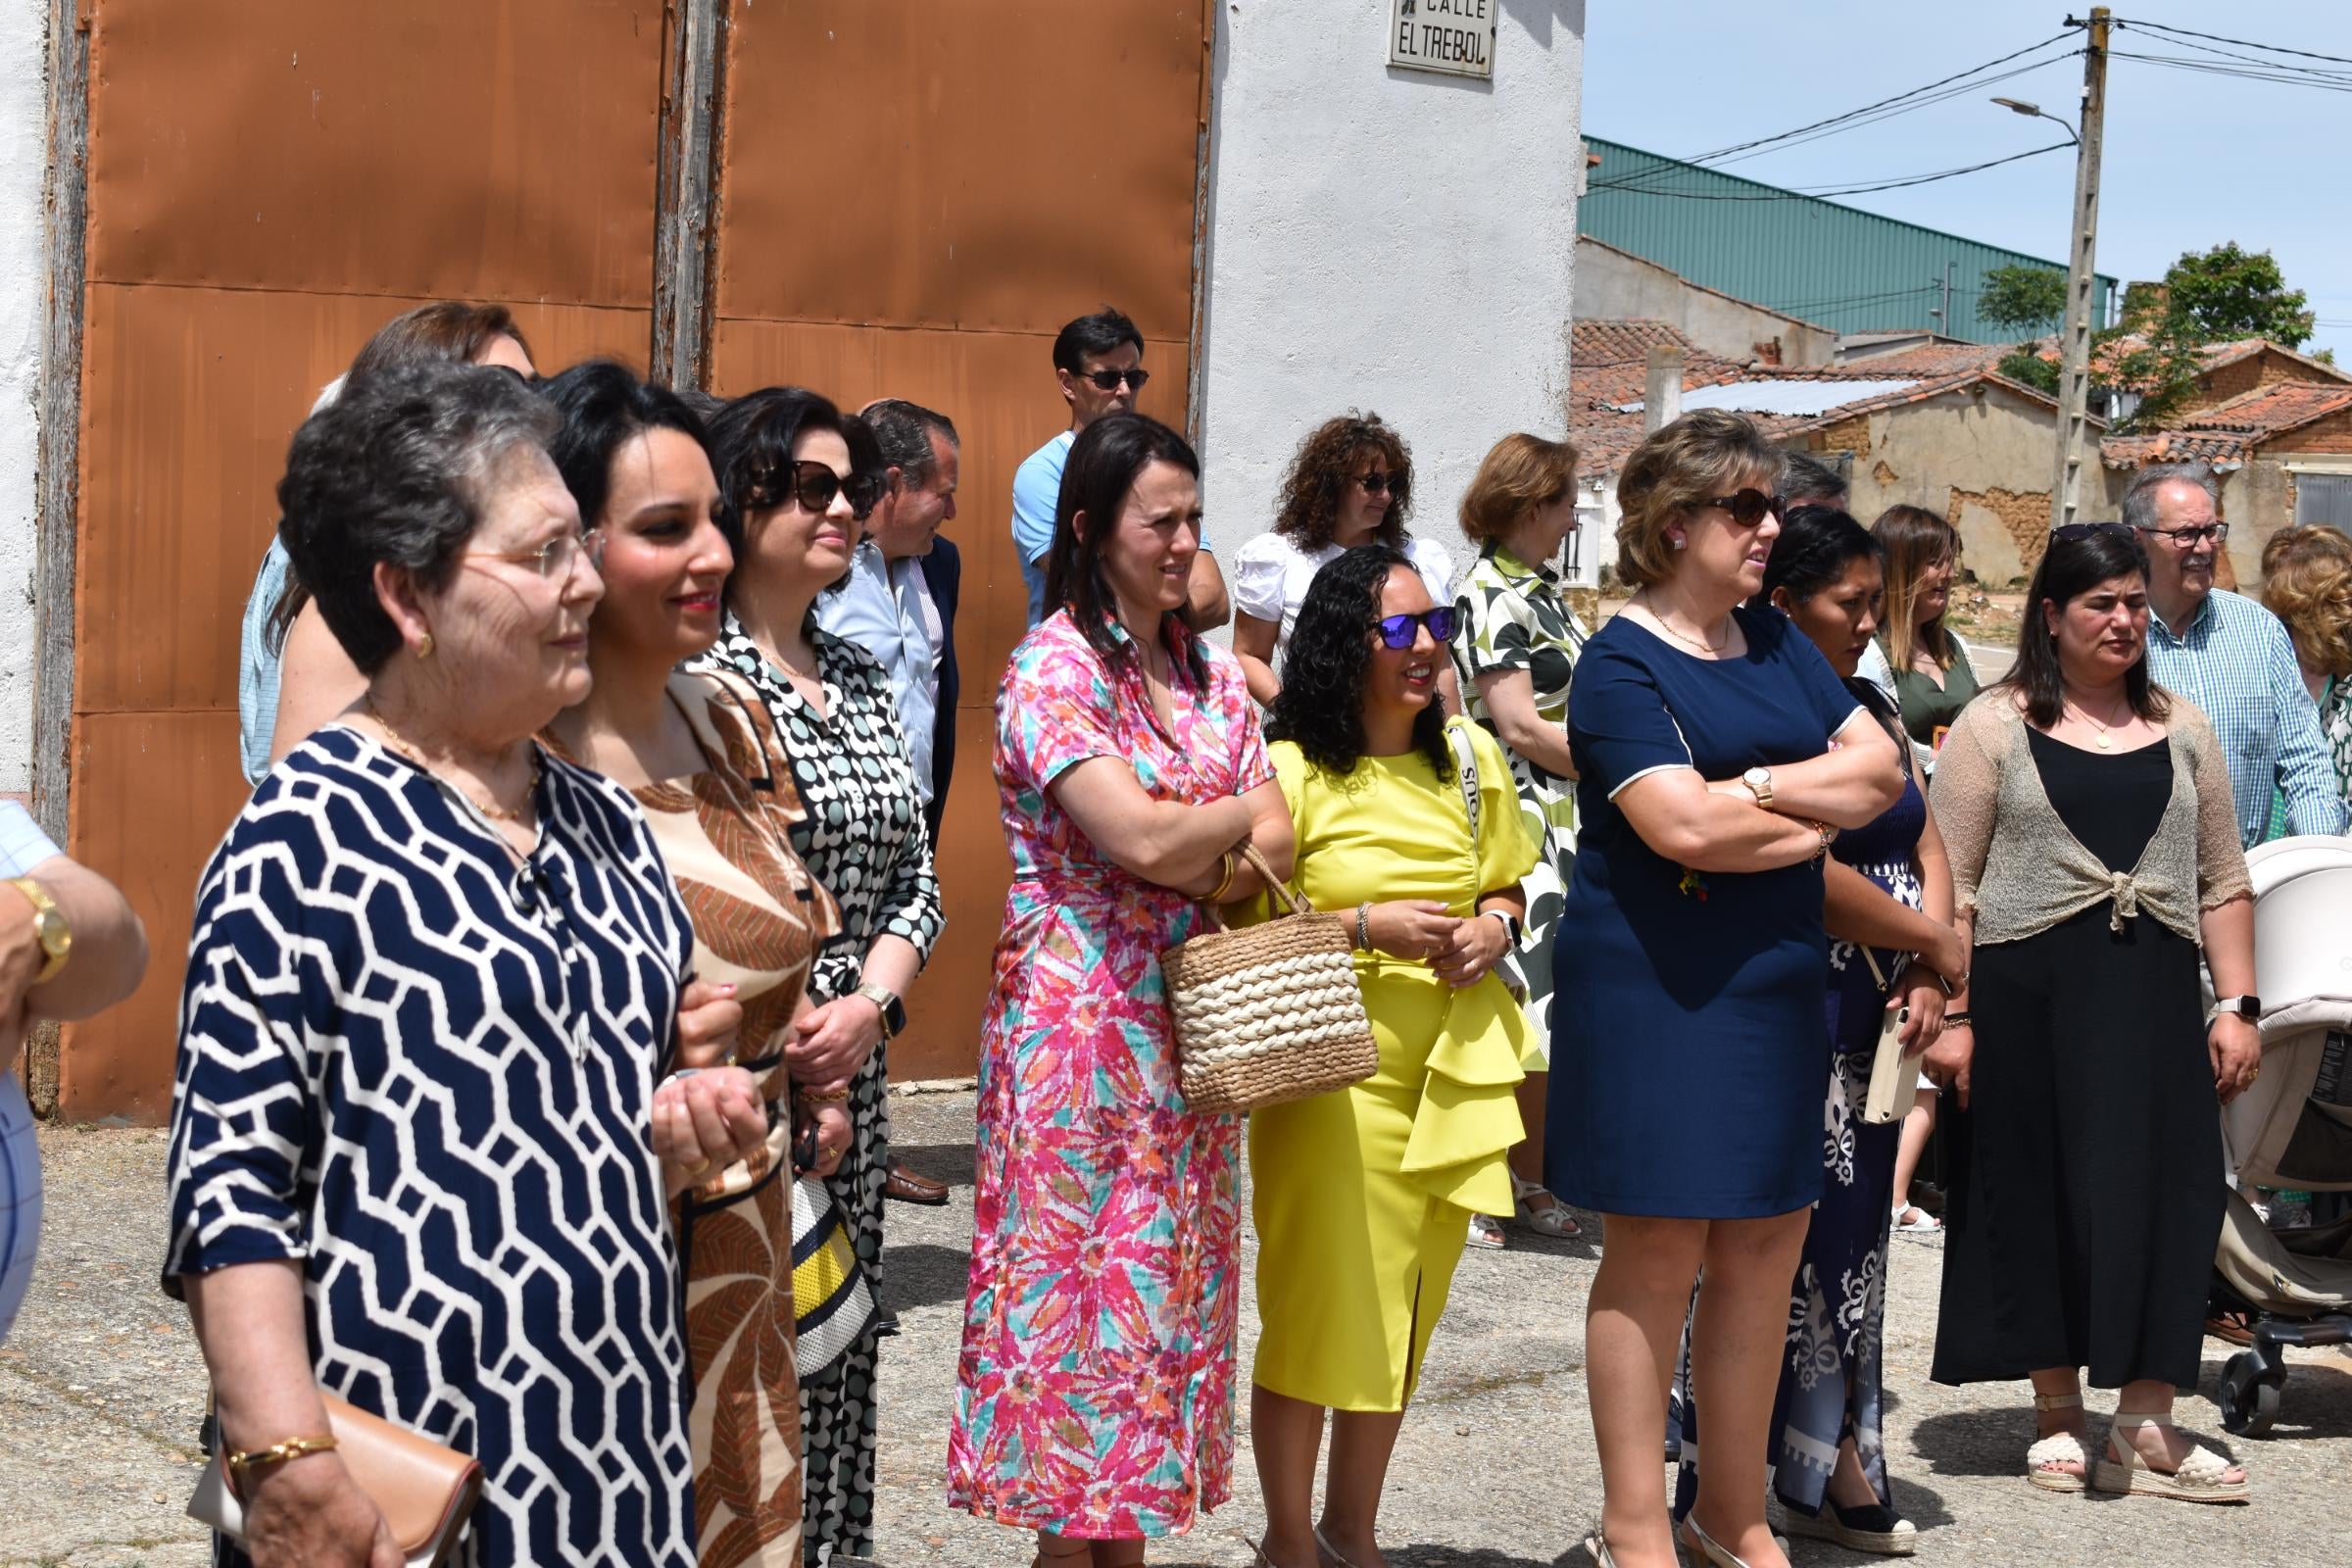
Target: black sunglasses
(1376,484)
(1108,380)
(814,485)
(1748,506)
(2077,532)
(1399,631)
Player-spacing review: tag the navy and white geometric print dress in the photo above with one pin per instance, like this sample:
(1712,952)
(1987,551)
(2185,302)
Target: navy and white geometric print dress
(426,1072)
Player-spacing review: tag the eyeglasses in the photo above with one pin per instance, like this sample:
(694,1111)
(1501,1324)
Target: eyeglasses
(2190,538)
(1379,484)
(2077,532)
(1401,631)
(814,485)
(556,560)
(1108,380)
(1748,506)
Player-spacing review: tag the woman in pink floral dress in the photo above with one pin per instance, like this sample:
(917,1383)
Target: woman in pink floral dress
(1095,1393)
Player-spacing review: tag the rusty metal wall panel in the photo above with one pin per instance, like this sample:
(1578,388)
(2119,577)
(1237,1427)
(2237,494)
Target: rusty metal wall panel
(189,397)
(994,165)
(443,148)
(151,794)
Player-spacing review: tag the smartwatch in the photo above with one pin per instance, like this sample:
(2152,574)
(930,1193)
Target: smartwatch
(894,1012)
(1513,932)
(2248,1007)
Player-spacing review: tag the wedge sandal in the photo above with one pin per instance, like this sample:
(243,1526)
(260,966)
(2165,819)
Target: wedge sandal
(2203,1477)
(2059,1448)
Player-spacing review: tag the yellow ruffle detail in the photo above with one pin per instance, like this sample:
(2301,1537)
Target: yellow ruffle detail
(1469,1117)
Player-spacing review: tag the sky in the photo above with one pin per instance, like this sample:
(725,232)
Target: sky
(2190,159)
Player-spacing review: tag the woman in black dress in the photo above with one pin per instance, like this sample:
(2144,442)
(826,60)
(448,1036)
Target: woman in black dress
(2093,849)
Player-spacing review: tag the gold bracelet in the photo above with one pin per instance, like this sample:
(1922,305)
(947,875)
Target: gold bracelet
(1232,865)
(277,1453)
(809,1096)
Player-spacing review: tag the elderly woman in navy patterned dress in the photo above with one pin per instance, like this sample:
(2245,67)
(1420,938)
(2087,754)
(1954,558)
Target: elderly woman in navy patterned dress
(785,466)
(421,1144)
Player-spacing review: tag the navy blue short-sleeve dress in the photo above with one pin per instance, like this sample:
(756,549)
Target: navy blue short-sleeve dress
(1689,1061)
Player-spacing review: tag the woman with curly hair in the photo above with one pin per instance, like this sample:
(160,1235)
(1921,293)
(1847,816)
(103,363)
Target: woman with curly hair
(1381,807)
(2307,583)
(1350,484)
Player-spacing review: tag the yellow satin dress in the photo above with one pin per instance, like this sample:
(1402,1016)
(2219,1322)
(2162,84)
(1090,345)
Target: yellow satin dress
(1361,1198)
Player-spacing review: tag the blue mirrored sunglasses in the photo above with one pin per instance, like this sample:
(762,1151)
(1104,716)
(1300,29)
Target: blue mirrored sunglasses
(1398,631)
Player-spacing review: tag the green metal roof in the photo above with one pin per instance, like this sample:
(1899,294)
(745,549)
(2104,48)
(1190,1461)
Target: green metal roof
(1834,265)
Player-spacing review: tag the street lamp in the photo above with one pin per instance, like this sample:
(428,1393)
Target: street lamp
(2018,106)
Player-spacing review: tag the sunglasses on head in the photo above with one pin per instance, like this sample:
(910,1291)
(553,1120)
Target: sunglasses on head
(1400,631)
(1748,506)
(1376,484)
(1108,380)
(2077,532)
(814,485)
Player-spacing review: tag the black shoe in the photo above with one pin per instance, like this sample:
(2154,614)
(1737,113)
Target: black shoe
(886,1325)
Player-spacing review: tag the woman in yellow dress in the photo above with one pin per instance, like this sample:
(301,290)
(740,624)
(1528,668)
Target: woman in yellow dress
(1362,1196)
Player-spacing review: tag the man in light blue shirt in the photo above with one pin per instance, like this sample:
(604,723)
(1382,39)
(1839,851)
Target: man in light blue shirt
(2231,657)
(1099,360)
(885,607)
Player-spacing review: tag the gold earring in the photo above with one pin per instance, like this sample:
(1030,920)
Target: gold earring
(425,646)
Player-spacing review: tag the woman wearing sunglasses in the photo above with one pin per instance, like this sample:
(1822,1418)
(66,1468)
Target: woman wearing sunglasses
(1717,756)
(1351,484)
(784,459)
(2094,849)
(1361,1196)
(697,751)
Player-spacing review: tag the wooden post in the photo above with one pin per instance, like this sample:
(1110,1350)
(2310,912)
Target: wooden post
(686,192)
(57,487)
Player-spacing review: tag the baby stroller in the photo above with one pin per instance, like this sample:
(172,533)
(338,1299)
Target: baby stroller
(2294,1129)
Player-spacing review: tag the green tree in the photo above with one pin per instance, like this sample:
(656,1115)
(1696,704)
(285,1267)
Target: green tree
(2022,363)
(2227,292)
(2022,299)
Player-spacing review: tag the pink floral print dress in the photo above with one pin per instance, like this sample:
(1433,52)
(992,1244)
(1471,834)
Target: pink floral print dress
(1095,1392)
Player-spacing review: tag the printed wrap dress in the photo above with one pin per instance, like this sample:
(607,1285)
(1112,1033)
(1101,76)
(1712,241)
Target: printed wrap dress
(759,917)
(1514,619)
(1095,1392)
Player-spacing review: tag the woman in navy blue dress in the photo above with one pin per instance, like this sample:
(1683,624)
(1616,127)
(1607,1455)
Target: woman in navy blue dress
(1688,1052)
(421,1141)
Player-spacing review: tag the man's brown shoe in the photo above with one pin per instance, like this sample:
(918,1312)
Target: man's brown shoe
(906,1187)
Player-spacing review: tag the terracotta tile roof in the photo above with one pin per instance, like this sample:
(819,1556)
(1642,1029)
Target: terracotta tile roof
(2226,433)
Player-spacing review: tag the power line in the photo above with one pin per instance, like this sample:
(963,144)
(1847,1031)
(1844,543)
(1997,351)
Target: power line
(1853,119)
(1815,193)
(2285,75)
(2242,43)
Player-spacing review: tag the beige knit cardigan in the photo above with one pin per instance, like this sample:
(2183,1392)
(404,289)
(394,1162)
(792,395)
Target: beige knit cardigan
(2019,872)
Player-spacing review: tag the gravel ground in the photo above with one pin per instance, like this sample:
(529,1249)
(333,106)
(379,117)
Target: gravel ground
(101,1389)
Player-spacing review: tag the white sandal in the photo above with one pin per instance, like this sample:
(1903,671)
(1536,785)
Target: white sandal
(1486,1232)
(2059,1448)
(1924,1224)
(2199,1478)
(1553,1219)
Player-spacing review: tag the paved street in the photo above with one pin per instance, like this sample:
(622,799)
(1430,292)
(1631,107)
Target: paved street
(101,1389)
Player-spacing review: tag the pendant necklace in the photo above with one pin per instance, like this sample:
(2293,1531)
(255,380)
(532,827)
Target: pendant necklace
(2104,741)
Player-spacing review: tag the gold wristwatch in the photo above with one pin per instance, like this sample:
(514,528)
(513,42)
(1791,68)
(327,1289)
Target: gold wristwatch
(49,927)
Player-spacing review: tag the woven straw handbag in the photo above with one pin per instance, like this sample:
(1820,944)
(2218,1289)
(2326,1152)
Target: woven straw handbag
(1270,1014)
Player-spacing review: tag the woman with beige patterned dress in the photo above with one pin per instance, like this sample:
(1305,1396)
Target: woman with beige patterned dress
(699,752)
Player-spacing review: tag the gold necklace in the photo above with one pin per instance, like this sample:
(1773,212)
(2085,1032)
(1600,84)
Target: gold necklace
(1651,611)
(489,808)
(2104,741)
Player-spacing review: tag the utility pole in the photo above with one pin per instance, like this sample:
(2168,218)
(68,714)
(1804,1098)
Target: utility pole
(1943,317)
(2074,339)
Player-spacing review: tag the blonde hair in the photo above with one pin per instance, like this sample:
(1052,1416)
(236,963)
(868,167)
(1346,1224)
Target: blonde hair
(2307,582)
(1521,473)
(1672,473)
(1916,542)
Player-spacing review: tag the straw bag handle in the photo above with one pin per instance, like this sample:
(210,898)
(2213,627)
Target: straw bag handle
(1274,884)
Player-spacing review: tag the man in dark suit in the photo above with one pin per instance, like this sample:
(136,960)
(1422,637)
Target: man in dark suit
(909,603)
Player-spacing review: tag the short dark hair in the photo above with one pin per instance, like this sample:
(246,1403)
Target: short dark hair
(398,471)
(605,404)
(1320,708)
(1816,546)
(445,330)
(1805,477)
(904,430)
(2068,569)
(1103,463)
(1098,333)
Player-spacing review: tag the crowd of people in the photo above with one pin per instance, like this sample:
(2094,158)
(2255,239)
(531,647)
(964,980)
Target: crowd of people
(535,1034)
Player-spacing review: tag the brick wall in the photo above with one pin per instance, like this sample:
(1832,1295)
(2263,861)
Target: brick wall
(2333,434)
(1849,434)
(2023,513)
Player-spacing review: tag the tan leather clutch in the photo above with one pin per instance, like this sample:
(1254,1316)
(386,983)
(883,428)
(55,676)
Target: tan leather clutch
(425,1490)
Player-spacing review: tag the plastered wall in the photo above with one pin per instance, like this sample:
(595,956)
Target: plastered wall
(1384,239)
(23,132)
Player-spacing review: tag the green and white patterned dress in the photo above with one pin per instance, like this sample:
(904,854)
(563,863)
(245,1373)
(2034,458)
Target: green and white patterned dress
(1513,618)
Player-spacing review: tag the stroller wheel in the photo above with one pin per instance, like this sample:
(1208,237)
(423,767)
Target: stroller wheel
(2250,1395)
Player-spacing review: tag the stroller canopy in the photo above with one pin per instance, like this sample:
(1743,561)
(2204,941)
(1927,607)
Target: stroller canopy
(2294,1129)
